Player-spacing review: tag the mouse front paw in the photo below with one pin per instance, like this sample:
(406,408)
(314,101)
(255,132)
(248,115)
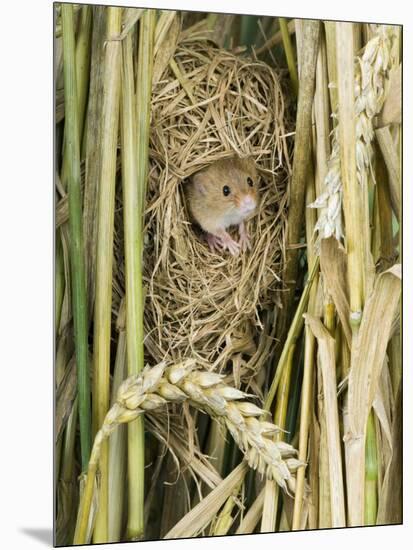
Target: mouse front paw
(228,243)
(244,242)
(244,238)
(214,242)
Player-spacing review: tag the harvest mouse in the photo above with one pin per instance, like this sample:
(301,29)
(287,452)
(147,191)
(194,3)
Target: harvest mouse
(221,195)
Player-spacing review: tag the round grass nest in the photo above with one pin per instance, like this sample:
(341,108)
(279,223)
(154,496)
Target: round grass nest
(198,303)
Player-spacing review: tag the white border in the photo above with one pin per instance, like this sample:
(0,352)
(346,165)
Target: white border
(27,271)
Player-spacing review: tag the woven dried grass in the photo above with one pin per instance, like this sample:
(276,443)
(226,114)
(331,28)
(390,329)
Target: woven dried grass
(210,104)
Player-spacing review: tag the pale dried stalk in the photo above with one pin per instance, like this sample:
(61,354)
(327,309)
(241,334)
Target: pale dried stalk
(371,74)
(392,108)
(253,515)
(330,30)
(366,365)
(308,376)
(322,118)
(313,469)
(302,160)
(334,267)
(129,18)
(351,193)
(222,523)
(203,513)
(326,350)
(270,507)
(392,161)
(321,147)
(390,502)
(322,472)
(304,425)
(165,20)
(204,390)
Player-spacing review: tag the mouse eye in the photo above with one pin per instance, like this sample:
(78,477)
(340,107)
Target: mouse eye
(250,182)
(226,190)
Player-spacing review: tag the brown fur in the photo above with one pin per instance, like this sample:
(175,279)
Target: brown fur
(207,204)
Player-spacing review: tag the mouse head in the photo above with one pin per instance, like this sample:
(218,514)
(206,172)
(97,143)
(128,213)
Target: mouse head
(229,186)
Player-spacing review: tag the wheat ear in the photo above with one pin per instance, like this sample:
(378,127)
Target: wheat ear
(372,71)
(159,385)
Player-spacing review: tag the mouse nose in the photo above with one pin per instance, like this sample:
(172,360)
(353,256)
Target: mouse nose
(247,204)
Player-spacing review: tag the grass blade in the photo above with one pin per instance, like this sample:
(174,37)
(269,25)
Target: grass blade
(82,63)
(60,282)
(289,53)
(93,150)
(76,233)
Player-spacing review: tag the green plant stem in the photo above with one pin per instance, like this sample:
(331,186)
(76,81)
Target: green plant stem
(293,333)
(309,357)
(135,172)
(370,494)
(248,30)
(104,254)
(289,53)
(82,64)
(76,233)
(85,505)
(59,282)
(211,20)
(117,442)
(93,150)
(275,39)
(272,489)
(133,281)
(143,97)
(304,424)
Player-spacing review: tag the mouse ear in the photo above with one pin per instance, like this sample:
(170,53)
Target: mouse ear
(199,184)
(248,163)
(248,158)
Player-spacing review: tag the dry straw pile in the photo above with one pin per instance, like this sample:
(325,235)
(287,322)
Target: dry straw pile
(210,104)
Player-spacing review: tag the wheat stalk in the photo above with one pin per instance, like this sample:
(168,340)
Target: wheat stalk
(159,385)
(371,72)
